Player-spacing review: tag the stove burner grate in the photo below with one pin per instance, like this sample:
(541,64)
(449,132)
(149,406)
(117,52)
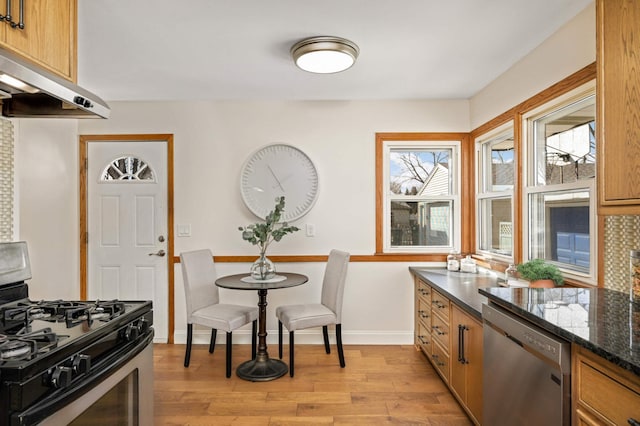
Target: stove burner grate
(72,313)
(26,345)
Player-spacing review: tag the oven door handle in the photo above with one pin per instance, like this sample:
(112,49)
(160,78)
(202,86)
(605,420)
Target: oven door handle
(103,369)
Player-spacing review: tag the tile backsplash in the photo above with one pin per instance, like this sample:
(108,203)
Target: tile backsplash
(621,234)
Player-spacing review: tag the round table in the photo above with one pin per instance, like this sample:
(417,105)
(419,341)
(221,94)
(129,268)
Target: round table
(262,368)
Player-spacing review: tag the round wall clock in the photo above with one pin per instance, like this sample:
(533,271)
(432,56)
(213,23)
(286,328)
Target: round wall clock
(279,170)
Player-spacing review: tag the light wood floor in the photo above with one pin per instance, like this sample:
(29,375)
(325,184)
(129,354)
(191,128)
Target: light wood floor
(379,385)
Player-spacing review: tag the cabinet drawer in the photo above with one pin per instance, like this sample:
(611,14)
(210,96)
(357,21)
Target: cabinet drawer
(440,361)
(610,398)
(423,289)
(440,331)
(424,310)
(440,305)
(423,338)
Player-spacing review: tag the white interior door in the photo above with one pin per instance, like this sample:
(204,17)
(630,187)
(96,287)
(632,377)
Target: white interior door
(127,225)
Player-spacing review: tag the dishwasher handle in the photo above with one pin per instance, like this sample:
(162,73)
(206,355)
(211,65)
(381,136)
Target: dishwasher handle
(633,422)
(514,340)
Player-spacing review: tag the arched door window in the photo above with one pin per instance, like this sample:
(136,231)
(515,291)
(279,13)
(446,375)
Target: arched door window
(127,168)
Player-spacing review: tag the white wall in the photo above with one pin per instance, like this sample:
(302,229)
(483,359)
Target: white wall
(46,152)
(568,50)
(212,139)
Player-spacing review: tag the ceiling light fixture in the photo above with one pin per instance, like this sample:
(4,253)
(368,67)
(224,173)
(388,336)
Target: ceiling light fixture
(324,55)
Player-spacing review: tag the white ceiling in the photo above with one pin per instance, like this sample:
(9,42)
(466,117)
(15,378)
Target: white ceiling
(239,49)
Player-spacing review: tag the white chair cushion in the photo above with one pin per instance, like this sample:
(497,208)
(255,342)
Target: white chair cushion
(224,317)
(298,317)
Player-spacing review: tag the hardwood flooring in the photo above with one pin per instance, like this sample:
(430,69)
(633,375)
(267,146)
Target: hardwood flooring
(380,385)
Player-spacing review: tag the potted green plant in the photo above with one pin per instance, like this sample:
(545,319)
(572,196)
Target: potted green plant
(540,273)
(263,234)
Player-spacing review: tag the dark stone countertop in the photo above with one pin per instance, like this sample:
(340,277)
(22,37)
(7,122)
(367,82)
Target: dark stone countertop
(460,287)
(601,320)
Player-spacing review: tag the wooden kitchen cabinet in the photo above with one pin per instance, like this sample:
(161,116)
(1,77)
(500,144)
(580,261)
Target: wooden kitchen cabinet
(431,332)
(602,393)
(618,105)
(436,334)
(440,335)
(49,35)
(466,361)
(422,324)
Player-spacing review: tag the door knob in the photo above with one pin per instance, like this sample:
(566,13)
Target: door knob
(160,253)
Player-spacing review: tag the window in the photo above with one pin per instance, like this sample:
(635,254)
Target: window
(496,175)
(6,180)
(560,192)
(127,168)
(420,202)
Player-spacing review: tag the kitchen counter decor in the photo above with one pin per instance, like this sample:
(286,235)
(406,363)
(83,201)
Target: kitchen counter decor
(540,274)
(262,235)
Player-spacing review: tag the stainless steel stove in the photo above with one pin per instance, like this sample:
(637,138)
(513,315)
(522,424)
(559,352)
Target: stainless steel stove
(61,360)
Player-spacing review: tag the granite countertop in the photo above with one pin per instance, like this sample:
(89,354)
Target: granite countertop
(460,287)
(601,320)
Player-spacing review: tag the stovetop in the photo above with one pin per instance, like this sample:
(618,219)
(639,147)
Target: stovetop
(32,331)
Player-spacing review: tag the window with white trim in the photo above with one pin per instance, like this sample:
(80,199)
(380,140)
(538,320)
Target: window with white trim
(6,180)
(560,189)
(421,201)
(495,157)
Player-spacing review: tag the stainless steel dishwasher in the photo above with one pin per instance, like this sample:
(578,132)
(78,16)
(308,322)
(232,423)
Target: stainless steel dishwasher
(527,372)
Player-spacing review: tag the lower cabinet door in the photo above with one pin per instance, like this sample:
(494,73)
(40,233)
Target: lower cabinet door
(466,360)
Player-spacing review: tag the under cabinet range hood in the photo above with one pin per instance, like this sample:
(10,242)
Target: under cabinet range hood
(29,91)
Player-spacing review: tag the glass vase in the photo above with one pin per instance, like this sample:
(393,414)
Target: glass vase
(263,268)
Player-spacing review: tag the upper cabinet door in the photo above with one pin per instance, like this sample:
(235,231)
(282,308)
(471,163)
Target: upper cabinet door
(49,34)
(618,100)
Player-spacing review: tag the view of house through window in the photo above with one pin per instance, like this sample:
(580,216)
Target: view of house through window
(561,190)
(496,173)
(421,196)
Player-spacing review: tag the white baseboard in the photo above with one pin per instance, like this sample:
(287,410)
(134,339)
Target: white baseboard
(352,337)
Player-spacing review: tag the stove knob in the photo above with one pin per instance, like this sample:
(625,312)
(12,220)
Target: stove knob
(143,326)
(61,377)
(81,364)
(131,333)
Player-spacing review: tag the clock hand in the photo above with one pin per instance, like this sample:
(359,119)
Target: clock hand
(275,177)
(286,178)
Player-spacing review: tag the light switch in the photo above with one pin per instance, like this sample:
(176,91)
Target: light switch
(311,230)
(184,230)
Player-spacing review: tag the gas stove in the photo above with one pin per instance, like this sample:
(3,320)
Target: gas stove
(35,334)
(51,350)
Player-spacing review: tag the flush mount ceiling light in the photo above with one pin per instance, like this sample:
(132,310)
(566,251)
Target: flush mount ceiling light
(324,55)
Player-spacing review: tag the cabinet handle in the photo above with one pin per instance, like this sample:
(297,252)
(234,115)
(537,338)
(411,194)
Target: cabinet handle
(422,340)
(422,314)
(461,329)
(436,360)
(8,9)
(8,18)
(438,304)
(460,358)
(633,422)
(437,329)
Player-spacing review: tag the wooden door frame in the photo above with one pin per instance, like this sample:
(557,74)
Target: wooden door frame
(84,140)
